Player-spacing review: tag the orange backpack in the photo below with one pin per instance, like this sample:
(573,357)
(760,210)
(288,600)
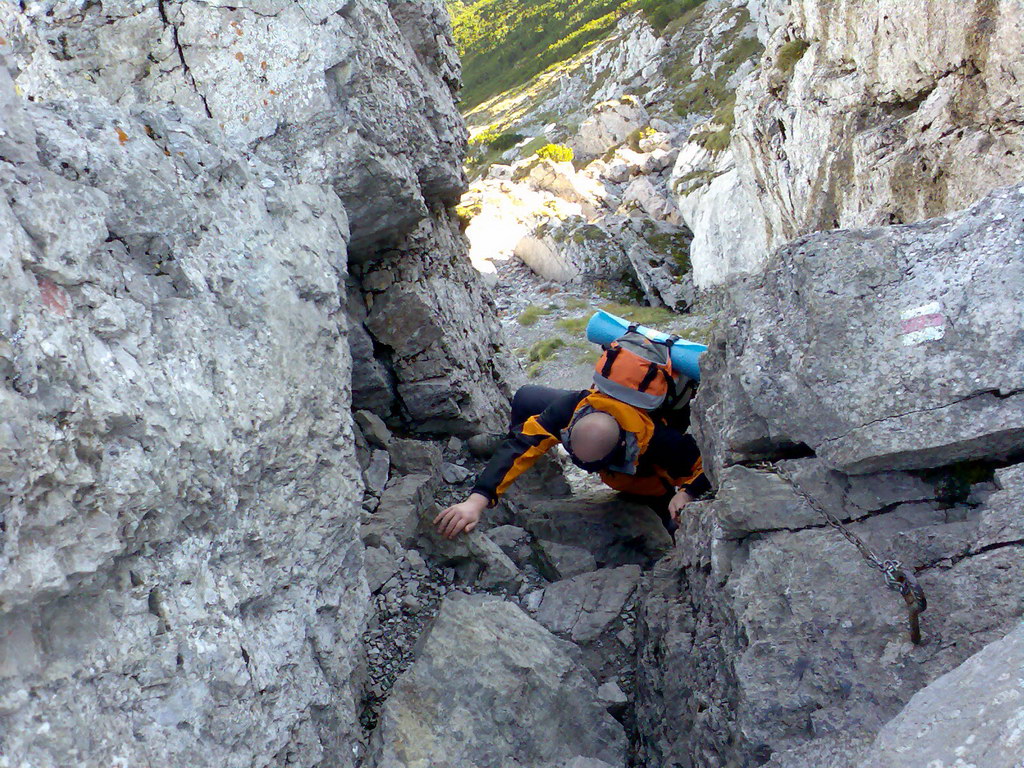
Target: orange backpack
(636,370)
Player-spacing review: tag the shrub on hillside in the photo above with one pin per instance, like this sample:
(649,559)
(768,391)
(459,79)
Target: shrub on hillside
(494,141)
(557,152)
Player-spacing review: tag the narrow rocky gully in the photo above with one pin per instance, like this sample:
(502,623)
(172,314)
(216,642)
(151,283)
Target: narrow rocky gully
(271,273)
(559,549)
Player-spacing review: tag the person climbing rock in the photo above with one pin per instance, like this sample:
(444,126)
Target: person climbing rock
(626,438)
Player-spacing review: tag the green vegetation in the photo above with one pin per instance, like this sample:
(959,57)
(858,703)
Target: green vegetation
(574,325)
(713,141)
(652,316)
(532,314)
(700,334)
(466,213)
(490,139)
(557,152)
(693,181)
(953,482)
(589,233)
(660,13)
(487,147)
(504,43)
(710,94)
(790,54)
(633,140)
(675,245)
(574,303)
(544,349)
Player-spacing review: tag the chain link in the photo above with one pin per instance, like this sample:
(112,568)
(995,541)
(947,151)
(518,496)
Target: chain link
(897,578)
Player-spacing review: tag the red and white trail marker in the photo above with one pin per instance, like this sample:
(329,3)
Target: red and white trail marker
(921,324)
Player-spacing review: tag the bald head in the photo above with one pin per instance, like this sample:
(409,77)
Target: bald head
(594,436)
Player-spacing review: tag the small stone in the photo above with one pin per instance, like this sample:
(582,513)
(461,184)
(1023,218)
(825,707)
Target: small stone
(376,475)
(453,474)
(483,446)
(373,428)
(415,456)
(533,600)
(416,560)
(611,693)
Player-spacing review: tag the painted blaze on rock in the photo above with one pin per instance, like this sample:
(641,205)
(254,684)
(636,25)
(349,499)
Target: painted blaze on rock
(901,347)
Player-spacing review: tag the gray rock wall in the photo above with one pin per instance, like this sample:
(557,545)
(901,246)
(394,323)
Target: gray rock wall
(973,713)
(876,372)
(180,571)
(184,186)
(875,112)
(899,347)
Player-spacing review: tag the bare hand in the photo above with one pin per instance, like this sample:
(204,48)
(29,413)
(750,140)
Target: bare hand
(461,518)
(676,504)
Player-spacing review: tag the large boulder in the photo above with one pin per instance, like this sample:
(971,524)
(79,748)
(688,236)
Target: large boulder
(900,347)
(724,216)
(973,715)
(184,186)
(592,611)
(610,123)
(614,530)
(754,638)
(181,570)
(493,687)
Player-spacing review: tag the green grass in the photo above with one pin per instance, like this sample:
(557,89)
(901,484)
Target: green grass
(574,325)
(693,181)
(505,43)
(544,349)
(633,140)
(675,245)
(710,94)
(574,303)
(532,314)
(652,316)
(661,13)
(714,141)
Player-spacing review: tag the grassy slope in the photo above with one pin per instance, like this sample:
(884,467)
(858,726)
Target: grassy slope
(505,43)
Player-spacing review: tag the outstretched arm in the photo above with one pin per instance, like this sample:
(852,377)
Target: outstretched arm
(525,444)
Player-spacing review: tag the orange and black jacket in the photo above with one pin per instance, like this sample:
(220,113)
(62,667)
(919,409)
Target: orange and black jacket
(667,459)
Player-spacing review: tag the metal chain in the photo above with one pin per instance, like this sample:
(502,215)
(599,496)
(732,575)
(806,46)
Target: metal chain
(897,578)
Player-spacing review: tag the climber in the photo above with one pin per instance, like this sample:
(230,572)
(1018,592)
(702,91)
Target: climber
(634,451)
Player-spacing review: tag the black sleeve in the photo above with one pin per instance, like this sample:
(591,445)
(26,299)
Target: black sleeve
(678,454)
(525,443)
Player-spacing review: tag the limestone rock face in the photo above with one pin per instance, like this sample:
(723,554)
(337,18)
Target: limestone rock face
(901,347)
(184,185)
(179,565)
(856,375)
(973,713)
(757,648)
(870,113)
(493,687)
(427,308)
(611,122)
(725,217)
(335,87)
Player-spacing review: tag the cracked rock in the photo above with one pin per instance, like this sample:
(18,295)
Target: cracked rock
(478,650)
